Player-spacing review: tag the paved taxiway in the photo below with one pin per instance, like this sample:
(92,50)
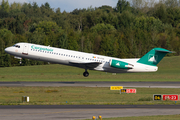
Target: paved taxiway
(96,84)
(86,112)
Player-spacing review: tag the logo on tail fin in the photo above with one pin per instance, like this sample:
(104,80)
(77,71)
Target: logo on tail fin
(152,58)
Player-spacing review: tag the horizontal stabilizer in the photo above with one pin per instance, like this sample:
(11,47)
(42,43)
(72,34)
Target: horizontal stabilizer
(164,51)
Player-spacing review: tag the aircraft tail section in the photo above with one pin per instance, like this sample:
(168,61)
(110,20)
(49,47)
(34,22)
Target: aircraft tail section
(154,56)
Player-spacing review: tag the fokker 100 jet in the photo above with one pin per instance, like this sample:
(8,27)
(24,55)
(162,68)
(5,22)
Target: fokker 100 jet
(88,61)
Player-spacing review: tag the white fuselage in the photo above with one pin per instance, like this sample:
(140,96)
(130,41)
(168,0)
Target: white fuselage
(66,57)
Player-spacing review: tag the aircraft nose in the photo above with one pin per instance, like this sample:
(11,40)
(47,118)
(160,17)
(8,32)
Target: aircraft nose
(6,50)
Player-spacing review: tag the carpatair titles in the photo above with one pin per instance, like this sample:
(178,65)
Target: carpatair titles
(40,48)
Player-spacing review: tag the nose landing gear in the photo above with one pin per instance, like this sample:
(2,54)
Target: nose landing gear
(85,74)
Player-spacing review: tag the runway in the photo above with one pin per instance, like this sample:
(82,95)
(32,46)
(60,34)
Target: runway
(74,112)
(79,112)
(90,107)
(95,84)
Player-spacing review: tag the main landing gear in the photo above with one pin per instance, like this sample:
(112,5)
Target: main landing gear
(86,74)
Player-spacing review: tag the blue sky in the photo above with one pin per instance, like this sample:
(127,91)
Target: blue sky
(70,5)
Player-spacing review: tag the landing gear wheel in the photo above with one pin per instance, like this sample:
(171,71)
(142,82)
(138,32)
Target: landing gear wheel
(86,74)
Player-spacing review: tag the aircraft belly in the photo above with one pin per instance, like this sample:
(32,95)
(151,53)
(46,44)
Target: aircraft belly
(115,70)
(136,68)
(16,54)
(144,68)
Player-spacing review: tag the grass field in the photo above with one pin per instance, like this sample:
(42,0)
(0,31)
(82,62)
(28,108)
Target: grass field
(169,70)
(158,117)
(81,95)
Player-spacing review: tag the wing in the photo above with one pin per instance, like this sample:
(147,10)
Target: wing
(85,65)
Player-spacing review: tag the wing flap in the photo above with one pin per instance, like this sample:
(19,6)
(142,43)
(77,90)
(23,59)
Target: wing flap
(85,65)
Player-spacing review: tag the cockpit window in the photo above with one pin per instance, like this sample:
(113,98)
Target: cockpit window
(18,46)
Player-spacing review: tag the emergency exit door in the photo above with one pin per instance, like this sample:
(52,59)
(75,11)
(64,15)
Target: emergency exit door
(25,50)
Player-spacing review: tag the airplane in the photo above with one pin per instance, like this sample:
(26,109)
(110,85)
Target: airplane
(88,61)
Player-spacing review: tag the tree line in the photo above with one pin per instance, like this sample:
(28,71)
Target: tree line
(128,30)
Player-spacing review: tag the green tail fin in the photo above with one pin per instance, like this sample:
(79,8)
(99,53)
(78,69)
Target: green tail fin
(154,56)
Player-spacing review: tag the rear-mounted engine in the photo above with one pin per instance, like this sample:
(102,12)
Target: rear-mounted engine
(120,64)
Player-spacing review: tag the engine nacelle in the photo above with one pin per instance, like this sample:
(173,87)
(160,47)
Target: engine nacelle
(120,64)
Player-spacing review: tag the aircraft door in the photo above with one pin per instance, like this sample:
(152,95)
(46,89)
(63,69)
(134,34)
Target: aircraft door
(25,50)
